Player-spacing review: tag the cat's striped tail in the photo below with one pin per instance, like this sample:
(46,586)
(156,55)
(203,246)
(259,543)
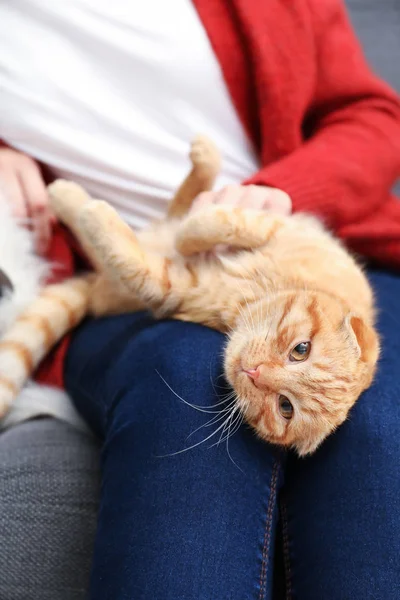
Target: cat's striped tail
(57,309)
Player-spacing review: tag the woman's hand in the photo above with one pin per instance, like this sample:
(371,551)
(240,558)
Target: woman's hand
(247,196)
(24,189)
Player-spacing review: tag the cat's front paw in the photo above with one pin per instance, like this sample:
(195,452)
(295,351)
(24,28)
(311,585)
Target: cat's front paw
(99,220)
(111,240)
(205,157)
(66,198)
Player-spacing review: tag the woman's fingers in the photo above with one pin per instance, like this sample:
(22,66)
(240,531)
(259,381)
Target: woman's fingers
(251,196)
(37,200)
(25,191)
(10,185)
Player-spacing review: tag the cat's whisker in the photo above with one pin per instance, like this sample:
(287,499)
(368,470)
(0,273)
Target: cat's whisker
(230,456)
(193,445)
(269,330)
(229,328)
(230,434)
(251,276)
(253,329)
(221,415)
(214,385)
(225,424)
(234,426)
(226,386)
(194,406)
(219,376)
(231,408)
(228,423)
(225,397)
(245,319)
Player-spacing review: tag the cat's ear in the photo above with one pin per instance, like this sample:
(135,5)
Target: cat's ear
(306,447)
(363,338)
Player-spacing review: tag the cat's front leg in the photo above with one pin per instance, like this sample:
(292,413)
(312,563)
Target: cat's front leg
(238,227)
(66,199)
(152,279)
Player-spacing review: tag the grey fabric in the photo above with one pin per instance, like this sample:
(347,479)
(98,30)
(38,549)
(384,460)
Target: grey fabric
(377,23)
(49,485)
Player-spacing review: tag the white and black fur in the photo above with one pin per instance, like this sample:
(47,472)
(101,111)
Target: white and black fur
(22,275)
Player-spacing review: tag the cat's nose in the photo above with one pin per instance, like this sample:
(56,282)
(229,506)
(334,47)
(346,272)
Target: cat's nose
(262,377)
(253,373)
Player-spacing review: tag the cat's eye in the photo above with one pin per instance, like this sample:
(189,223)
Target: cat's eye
(285,408)
(300,352)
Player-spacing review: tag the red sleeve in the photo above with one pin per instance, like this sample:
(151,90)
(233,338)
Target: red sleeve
(352,158)
(384,224)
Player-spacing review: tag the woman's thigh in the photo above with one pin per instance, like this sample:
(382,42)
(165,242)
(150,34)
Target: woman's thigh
(342,511)
(49,491)
(175,523)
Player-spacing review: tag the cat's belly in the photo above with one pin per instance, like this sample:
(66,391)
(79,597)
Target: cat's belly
(225,287)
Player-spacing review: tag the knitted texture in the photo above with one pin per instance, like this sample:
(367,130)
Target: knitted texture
(49,488)
(327,130)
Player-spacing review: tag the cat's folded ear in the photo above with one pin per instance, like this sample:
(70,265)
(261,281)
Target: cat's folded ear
(363,337)
(307,446)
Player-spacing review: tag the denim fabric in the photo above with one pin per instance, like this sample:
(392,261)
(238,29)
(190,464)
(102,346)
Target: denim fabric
(343,504)
(201,524)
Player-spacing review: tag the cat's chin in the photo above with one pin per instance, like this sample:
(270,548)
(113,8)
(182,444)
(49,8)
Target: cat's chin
(249,396)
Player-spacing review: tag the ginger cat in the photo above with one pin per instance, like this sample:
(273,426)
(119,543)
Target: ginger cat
(298,310)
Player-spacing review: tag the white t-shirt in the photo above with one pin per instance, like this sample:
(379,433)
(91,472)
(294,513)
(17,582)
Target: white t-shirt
(110,93)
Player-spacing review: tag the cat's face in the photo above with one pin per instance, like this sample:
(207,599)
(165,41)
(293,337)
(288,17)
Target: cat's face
(298,364)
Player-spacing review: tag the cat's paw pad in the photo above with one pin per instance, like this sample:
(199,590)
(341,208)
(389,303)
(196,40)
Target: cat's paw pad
(205,156)
(66,196)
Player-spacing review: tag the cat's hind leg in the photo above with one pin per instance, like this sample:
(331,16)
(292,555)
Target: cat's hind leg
(57,310)
(206,164)
(123,260)
(238,227)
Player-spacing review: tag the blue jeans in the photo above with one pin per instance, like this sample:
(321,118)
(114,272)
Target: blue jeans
(208,524)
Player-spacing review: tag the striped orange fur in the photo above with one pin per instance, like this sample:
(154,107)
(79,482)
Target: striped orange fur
(289,290)
(55,311)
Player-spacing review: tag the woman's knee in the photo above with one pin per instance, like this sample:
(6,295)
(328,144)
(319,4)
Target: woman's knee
(170,353)
(373,425)
(165,381)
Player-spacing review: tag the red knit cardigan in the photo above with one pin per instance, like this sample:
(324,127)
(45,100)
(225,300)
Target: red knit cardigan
(327,131)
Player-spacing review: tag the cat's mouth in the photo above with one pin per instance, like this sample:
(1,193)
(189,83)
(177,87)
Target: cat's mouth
(253,376)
